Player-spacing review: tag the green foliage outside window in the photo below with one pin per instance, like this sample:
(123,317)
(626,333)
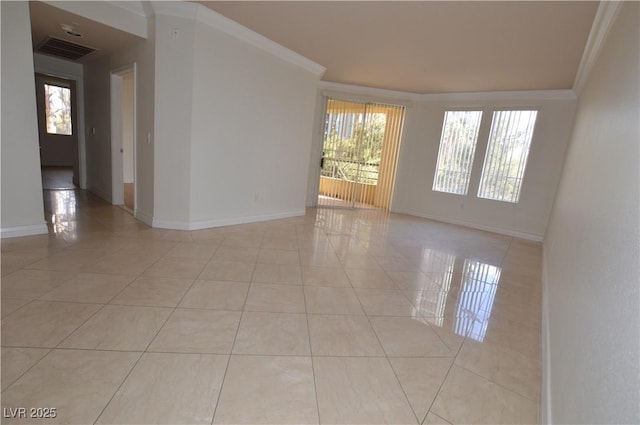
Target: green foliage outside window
(356,157)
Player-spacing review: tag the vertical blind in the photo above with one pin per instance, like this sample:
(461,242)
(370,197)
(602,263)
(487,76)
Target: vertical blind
(507,152)
(456,152)
(359,154)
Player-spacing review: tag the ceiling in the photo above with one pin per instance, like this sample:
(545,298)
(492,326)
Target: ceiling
(414,46)
(46,21)
(429,47)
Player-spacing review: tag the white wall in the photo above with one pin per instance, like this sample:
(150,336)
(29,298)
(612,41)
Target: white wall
(419,153)
(98,116)
(127,16)
(252,120)
(313,176)
(229,118)
(127,127)
(21,198)
(591,249)
(173,87)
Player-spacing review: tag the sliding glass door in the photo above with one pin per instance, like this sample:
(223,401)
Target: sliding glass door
(359,155)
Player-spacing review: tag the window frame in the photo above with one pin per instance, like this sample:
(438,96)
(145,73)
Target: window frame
(494,112)
(46,108)
(472,157)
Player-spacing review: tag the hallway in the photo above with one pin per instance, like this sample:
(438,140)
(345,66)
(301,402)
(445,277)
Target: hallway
(57,178)
(339,316)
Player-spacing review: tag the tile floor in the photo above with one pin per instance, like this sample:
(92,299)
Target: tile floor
(338,317)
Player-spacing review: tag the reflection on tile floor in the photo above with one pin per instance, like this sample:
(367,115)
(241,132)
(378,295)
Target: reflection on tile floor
(337,317)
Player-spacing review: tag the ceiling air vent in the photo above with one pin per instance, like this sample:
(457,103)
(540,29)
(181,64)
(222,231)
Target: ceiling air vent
(64,49)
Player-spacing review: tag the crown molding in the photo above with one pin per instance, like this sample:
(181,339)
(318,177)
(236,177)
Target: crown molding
(178,9)
(234,29)
(204,15)
(602,23)
(522,95)
(368,91)
(136,7)
(516,95)
(111,13)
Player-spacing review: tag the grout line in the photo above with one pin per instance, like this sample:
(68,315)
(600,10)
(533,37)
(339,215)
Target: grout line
(29,368)
(208,353)
(438,392)
(226,369)
(497,384)
(81,325)
(388,360)
(119,386)
(313,368)
(353,230)
(142,354)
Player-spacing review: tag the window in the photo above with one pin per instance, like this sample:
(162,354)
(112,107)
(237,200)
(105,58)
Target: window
(507,152)
(57,102)
(457,147)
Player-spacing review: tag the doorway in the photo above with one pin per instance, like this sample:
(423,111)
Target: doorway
(359,154)
(57,131)
(123,137)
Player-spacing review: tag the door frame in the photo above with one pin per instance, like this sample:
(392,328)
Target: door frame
(117,178)
(42,79)
(50,69)
(319,136)
(316,151)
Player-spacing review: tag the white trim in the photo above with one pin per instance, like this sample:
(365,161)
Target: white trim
(545,385)
(117,180)
(602,23)
(317,145)
(226,25)
(185,10)
(328,87)
(206,224)
(171,224)
(47,65)
(217,21)
(491,96)
(493,229)
(18,231)
(130,6)
(115,142)
(106,12)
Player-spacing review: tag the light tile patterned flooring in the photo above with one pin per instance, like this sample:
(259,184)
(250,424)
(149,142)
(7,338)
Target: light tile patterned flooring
(338,317)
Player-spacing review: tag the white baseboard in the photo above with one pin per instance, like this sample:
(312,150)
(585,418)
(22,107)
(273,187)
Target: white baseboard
(500,230)
(18,231)
(545,387)
(159,223)
(206,224)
